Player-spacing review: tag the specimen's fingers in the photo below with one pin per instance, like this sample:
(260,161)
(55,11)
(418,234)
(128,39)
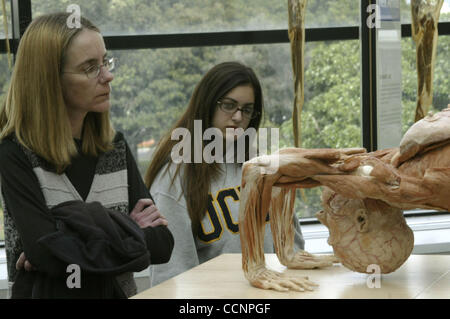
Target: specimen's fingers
(324,154)
(269,279)
(315,264)
(322,262)
(304,283)
(307,288)
(355,150)
(305,280)
(291,284)
(300,261)
(273,285)
(304,253)
(312,258)
(350,164)
(318,258)
(331,258)
(303,263)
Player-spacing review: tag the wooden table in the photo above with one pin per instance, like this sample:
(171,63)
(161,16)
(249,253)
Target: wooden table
(422,276)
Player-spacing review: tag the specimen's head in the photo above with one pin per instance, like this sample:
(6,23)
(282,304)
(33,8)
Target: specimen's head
(366,232)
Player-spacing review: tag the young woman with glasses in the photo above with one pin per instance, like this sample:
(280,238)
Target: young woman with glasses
(201,200)
(72,193)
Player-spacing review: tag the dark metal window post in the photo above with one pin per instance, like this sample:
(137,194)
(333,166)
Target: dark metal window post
(368,79)
(20,19)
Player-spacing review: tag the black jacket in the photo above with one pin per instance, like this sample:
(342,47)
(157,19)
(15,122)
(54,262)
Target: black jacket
(103,243)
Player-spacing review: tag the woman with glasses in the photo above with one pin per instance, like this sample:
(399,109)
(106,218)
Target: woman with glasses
(78,217)
(200,199)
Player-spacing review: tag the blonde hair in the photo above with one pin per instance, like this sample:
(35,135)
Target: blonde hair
(34,109)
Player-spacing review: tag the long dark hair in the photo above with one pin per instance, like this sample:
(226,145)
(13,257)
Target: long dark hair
(197,177)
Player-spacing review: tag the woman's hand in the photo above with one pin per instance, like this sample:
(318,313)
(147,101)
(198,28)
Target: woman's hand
(22,262)
(145,214)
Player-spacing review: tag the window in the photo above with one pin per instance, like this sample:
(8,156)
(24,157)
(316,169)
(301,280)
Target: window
(8,20)
(445,12)
(181,16)
(153,84)
(152,87)
(441,96)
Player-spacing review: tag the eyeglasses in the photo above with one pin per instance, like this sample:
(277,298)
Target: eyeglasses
(232,107)
(93,71)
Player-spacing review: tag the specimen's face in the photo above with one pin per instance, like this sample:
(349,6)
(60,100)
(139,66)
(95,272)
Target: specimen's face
(366,232)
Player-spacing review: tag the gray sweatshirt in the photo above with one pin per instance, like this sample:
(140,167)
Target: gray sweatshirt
(219,232)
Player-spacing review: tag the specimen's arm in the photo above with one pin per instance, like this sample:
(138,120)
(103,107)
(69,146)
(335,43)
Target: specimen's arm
(422,182)
(258,194)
